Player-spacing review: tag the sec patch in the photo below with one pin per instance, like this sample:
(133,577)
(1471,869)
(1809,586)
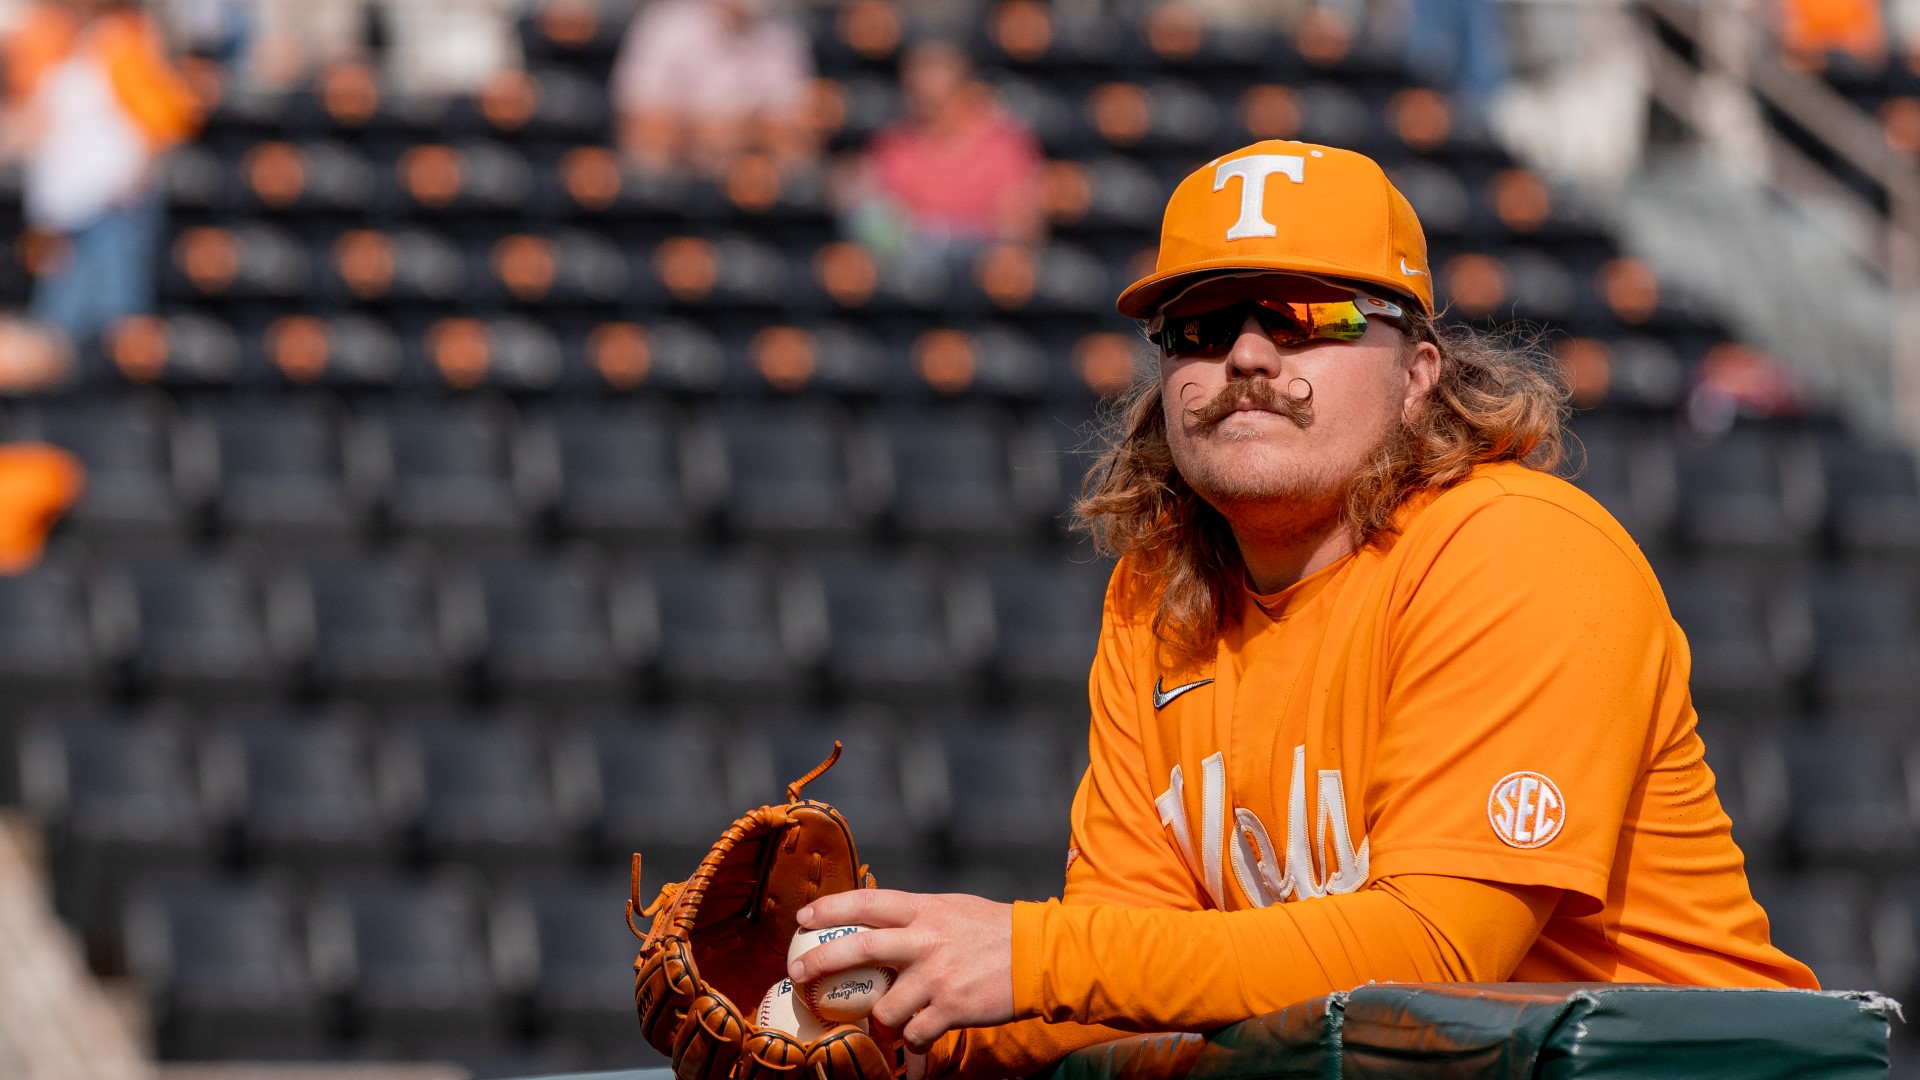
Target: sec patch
(1526,809)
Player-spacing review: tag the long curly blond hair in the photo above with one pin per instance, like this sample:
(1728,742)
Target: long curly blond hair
(1497,398)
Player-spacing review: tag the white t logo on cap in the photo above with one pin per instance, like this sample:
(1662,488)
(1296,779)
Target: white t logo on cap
(1253,171)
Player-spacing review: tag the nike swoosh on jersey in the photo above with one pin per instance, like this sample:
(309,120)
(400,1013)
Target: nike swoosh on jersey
(1408,270)
(1160,697)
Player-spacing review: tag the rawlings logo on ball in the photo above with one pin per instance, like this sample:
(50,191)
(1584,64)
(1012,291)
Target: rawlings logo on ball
(842,995)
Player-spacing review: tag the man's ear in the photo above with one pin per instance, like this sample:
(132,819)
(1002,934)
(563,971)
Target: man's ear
(1423,370)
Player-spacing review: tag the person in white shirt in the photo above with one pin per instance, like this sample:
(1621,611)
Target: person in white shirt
(700,82)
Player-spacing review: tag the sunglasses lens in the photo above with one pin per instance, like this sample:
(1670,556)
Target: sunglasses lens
(1338,320)
(1212,333)
(1206,334)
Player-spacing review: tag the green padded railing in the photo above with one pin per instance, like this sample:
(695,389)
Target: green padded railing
(1511,1031)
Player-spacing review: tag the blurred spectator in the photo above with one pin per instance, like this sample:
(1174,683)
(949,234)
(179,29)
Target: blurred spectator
(957,173)
(450,46)
(92,103)
(1737,380)
(700,82)
(37,484)
(293,38)
(433,47)
(1460,44)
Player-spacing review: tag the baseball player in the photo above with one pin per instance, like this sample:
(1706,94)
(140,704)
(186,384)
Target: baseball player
(1376,696)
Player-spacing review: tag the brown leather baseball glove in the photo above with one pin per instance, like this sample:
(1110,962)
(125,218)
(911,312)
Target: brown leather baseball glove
(719,941)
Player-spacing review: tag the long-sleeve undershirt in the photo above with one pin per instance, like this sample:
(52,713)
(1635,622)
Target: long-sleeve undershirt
(1088,974)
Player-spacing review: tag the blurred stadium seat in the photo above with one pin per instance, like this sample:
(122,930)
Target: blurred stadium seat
(144,482)
(226,964)
(285,473)
(476,793)
(377,627)
(412,958)
(121,798)
(301,792)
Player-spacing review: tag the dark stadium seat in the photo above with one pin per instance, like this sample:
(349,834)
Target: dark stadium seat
(731,272)
(318,176)
(964,476)
(556,632)
(898,633)
(629,475)
(728,630)
(581,986)
(1874,496)
(866,784)
(185,350)
(303,792)
(1437,193)
(1867,633)
(1046,622)
(1632,470)
(1896,942)
(657,786)
(409,265)
(1007,790)
(1058,279)
(237,261)
(1749,637)
(143,481)
(377,627)
(453,472)
(345,350)
(284,474)
(47,647)
(225,965)
(121,800)
(412,957)
(1851,801)
(464,179)
(481,794)
(1756,490)
(1334,114)
(574,267)
(1749,766)
(1103,194)
(197,627)
(793,476)
(1823,920)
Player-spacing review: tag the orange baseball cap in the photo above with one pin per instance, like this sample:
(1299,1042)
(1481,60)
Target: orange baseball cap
(1288,206)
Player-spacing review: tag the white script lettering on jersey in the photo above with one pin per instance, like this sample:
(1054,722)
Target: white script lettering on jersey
(1253,171)
(1256,865)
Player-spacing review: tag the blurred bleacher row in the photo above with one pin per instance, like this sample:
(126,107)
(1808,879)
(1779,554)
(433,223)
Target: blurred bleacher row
(424,882)
(479,510)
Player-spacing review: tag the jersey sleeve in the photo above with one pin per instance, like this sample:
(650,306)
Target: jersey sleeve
(1156,970)
(1522,671)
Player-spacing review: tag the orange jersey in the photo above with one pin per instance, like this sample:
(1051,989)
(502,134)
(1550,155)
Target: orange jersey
(127,45)
(1499,695)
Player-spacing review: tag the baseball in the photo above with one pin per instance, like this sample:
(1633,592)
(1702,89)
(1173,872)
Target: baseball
(845,995)
(782,1010)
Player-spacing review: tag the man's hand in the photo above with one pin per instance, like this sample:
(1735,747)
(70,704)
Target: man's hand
(953,956)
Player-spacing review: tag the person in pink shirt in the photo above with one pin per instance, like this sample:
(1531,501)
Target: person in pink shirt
(958,172)
(698,83)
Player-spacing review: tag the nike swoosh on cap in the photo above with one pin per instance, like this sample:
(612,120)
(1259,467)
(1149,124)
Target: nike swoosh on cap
(1408,270)
(1160,697)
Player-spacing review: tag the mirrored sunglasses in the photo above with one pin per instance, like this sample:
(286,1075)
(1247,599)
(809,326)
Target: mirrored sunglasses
(1210,334)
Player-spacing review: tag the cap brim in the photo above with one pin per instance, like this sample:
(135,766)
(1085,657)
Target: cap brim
(1143,297)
